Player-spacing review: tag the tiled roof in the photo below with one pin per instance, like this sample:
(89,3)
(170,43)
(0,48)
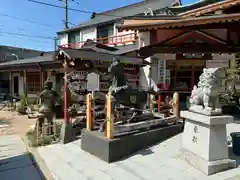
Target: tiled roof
(211,8)
(126,11)
(6,53)
(93,55)
(157,24)
(45,58)
(193,6)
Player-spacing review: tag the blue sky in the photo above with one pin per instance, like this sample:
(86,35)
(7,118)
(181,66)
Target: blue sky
(49,19)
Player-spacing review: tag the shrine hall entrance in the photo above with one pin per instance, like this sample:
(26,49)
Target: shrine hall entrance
(184,74)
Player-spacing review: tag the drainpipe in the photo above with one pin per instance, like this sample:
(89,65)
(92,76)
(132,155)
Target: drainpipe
(55,39)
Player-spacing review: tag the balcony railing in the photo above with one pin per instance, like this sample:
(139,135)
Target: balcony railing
(109,41)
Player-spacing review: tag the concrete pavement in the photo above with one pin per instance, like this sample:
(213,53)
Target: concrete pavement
(15,162)
(161,161)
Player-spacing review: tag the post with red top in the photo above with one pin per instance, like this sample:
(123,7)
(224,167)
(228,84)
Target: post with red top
(159,103)
(66,135)
(89,112)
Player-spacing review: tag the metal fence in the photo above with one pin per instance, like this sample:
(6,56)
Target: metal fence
(48,133)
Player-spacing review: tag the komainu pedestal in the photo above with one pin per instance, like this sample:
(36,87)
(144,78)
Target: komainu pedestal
(204,142)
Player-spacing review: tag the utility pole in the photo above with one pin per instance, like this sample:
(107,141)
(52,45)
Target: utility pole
(66,14)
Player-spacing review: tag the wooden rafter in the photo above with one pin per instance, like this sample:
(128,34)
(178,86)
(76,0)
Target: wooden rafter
(183,22)
(196,35)
(148,51)
(210,8)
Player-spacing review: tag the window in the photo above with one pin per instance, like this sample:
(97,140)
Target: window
(73,39)
(103,32)
(33,82)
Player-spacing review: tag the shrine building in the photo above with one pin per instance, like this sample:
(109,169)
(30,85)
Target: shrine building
(179,45)
(178,42)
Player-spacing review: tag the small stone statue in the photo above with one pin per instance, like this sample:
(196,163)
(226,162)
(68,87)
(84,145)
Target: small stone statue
(205,96)
(47,110)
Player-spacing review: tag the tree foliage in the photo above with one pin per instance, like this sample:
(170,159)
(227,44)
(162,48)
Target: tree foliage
(233,73)
(233,76)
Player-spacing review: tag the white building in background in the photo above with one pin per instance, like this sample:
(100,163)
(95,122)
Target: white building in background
(102,27)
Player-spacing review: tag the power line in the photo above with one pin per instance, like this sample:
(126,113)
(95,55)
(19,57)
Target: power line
(28,38)
(21,19)
(34,40)
(69,23)
(77,10)
(25,35)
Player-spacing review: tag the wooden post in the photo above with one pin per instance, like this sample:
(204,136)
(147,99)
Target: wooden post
(41,80)
(176,106)
(152,104)
(37,131)
(24,76)
(109,118)
(159,103)
(54,128)
(11,83)
(193,77)
(89,112)
(66,98)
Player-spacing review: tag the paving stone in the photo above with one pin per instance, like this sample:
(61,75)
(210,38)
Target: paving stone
(46,154)
(78,142)
(234,178)
(212,177)
(25,173)
(119,174)
(174,174)
(158,162)
(54,176)
(80,165)
(50,161)
(152,161)
(194,172)
(128,163)
(200,175)
(11,146)
(93,173)
(230,173)
(88,159)
(176,164)
(62,152)
(141,171)
(15,162)
(64,171)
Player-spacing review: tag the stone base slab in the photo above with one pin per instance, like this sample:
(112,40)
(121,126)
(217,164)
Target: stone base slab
(207,167)
(111,150)
(67,133)
(208,112)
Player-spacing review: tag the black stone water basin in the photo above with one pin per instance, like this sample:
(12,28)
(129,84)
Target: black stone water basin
(111,150)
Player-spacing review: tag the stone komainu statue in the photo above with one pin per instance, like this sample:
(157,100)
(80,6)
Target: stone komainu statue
(205,96)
